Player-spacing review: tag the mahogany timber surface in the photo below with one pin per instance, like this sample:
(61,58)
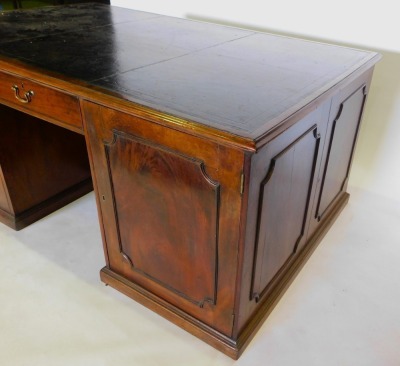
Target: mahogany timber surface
(179,67)
(238,145)
(184,218)
(46,103)
(43,168)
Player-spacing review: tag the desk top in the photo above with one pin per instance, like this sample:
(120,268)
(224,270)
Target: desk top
(234,80)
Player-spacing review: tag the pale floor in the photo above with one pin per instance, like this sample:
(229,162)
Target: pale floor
(342,309)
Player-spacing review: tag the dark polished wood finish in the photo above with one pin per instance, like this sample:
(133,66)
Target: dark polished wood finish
(43,167)
(219,156)
(41,101)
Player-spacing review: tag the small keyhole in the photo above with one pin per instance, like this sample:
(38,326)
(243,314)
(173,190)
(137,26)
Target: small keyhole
(103,198)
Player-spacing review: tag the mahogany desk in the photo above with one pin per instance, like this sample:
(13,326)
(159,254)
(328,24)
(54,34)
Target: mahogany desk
(219,156)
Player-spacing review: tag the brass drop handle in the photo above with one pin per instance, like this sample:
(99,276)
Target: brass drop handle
(27,96)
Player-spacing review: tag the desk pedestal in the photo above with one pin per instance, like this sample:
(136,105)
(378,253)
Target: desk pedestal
(42,168)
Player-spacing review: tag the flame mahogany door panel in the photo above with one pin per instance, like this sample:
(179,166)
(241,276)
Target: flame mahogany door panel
(160,197)
(167,227)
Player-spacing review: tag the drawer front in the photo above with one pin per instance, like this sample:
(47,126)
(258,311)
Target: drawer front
(41,101)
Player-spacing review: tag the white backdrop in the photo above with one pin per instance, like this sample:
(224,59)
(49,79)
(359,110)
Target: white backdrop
(355,23)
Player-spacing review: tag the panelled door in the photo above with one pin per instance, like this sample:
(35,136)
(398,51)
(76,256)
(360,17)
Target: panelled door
(163,200)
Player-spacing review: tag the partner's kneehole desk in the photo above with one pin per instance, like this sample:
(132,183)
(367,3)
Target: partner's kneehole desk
(219,156)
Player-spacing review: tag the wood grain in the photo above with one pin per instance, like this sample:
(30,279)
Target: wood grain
(220,156)
(43,167)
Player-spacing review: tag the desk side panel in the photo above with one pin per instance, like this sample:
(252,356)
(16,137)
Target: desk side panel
(281,187)
(275,262)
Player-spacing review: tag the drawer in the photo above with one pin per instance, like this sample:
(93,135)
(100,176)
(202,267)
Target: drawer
(40,100)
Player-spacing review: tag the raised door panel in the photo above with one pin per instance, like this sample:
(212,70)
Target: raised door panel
(284,198)
(343,134)
(170,206)
(161,197)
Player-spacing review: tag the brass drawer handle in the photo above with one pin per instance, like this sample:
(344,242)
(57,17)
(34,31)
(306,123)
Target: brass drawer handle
(27,96)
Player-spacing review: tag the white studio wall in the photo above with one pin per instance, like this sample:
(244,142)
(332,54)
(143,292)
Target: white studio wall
(354,23)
